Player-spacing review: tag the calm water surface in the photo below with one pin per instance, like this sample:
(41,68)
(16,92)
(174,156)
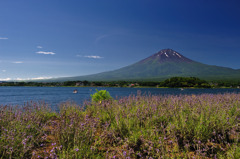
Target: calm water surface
(56,95)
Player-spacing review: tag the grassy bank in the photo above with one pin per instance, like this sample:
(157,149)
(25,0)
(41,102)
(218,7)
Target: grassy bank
(202,126)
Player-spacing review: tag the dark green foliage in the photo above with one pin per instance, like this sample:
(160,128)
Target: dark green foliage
(172,82)
(185,82)
(69,83)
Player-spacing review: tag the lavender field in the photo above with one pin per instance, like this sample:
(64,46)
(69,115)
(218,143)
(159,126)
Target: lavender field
(150,126)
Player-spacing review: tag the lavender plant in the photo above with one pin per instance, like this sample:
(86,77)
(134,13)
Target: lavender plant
(141,126)
(21,129)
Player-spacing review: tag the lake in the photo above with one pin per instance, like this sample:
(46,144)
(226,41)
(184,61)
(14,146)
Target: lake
(56,95)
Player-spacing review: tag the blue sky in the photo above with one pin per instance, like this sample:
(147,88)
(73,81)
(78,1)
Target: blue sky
(61,38)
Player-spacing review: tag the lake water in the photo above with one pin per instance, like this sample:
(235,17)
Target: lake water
(56,95)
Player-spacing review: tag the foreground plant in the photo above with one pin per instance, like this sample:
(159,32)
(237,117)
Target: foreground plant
(100,96)
(21,129)
(185,126)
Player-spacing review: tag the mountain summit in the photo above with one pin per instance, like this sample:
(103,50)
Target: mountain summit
(167,55)
(162,65)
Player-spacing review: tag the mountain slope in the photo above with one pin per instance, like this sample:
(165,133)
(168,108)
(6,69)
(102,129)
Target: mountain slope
(164,64)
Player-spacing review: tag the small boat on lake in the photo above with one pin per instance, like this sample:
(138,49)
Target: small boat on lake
(75,91)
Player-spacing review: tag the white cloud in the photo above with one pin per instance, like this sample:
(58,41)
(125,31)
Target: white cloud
(4,70)
(102,37)
(39,47)
(24,79)
(5,79)
(41,78)
(3,38)
(93,57)
(36,78)
(17,62)
(45,53)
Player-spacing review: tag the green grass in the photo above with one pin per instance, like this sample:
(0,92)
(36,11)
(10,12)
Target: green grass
(185,126)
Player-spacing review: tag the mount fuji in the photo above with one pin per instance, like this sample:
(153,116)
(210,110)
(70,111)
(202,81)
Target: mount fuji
(162,65)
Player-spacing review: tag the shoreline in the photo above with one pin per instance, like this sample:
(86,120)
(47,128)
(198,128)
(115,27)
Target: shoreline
(130,87)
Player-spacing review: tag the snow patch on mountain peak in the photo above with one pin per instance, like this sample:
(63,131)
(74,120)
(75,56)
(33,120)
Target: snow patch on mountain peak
(166,54)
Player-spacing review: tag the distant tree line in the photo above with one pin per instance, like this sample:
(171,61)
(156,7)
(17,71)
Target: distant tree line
(228,83)
(185,82)
(174,82)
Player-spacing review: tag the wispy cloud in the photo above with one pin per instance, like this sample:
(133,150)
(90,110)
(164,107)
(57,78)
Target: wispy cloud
(111,34)
(17,62)
(39,47)
(45,53)
(5,79)
(36,78)
(41,78)
(102,37)
(24,79)
(4,70)
(3,38)
(91,56)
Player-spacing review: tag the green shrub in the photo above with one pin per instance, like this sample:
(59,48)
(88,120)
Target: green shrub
(101,95)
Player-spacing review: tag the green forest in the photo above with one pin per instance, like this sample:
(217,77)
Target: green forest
(174,82)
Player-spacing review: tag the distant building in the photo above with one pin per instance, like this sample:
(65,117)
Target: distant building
(132,85)
(79,84)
